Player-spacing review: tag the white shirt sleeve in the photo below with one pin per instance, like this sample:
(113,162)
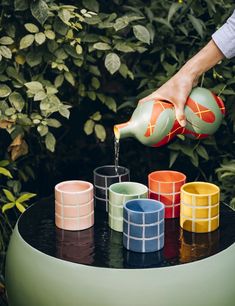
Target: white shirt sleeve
(224,37)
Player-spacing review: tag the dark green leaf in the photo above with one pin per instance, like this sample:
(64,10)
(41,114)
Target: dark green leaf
(17,101)
(64,15)
(5,172)
(9,195)
(34,86)
(26,41)
(112,62)
(63,110)
(20,207)
(5,52)
(33,58)
(89,126)
(6,40)
(50,142)
(40,10)
(173,9)
(111,104)
(7,206)
(197,24)
(21,5)
(96,116)
(173,157)
(32,28)
(4,91)
(26,197)
(100,132)
(123,47)
(95,83)
(42,130)
(142,33)
(101,46)
(121,23)
(59,80)
(40,38)
(53,123)
(40,95)
(70,78)
(202,152)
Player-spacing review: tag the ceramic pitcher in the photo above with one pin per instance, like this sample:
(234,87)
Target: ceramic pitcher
(154,122)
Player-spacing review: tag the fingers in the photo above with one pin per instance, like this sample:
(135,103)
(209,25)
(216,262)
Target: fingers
(180,115)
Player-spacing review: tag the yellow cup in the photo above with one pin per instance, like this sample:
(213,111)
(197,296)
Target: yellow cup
(199,210)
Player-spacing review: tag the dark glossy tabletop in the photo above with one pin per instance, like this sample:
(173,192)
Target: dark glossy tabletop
(102,247)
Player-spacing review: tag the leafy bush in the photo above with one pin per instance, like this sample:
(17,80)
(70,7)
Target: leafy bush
(91,62)
(226,175)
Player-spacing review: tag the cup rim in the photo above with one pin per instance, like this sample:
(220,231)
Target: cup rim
(146,200)
(168,171)
(57,186)
(201,194)
(128,183)
(111,166)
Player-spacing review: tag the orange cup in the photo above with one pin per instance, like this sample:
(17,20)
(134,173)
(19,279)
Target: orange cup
(164,186)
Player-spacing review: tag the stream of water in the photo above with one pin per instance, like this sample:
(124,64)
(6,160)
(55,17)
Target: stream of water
(116,154)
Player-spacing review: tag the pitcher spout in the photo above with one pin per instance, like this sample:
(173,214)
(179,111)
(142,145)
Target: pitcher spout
(123,130)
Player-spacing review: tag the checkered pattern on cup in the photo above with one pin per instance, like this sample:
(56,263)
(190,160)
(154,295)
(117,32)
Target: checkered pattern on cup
(74,205)
(199,211)
(164,186)
(143,225)
(104,177)
(119,194)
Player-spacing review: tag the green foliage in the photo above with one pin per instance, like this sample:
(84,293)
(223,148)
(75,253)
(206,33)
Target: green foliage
(99,59)
(226,176)
(48,54)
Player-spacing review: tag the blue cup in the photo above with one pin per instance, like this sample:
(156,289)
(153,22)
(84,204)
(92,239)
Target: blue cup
(143,225)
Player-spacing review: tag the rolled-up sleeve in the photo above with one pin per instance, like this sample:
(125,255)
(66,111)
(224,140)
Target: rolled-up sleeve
(224,37)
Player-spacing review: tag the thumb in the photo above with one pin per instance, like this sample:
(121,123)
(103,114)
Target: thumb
(180,115)
(152,96)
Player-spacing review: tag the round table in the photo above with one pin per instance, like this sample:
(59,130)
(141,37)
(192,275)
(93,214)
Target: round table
(47,266)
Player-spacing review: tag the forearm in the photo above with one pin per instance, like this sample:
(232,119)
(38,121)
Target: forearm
(205,59)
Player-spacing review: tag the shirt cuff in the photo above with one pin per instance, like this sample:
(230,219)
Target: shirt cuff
(224,37)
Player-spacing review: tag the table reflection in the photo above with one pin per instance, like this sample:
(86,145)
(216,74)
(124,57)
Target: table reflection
(197,246)
(75,246)
(172,237)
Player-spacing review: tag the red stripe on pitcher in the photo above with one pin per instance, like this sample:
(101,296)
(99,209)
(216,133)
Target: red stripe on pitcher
(201,111)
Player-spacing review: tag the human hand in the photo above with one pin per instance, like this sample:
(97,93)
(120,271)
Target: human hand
(176,90)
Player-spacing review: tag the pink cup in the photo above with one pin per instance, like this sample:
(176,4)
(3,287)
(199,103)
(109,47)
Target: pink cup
(74,205)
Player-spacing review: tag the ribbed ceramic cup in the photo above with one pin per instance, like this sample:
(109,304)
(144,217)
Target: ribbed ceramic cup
(104,177)
(119,194)
(199,207)
(164,186)
(75,246)
(74,205)
(143,225)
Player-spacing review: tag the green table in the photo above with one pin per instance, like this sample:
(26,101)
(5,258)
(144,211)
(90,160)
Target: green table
(46,266)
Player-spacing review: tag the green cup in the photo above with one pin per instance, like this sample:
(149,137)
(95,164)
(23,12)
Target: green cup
(119,194)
